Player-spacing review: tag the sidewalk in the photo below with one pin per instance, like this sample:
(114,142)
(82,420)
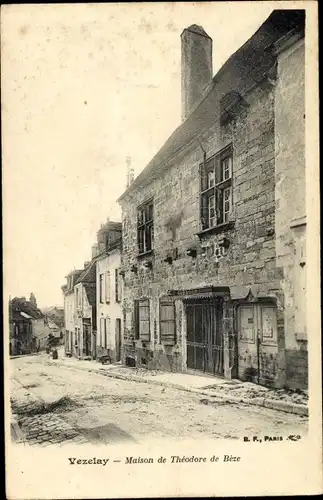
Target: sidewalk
(234,391)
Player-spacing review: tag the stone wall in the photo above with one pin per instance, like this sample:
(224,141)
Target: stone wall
(290,224)
(250,259)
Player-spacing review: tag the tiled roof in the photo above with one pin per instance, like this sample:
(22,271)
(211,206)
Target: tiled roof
(244,69)
(88,275)
(90,290)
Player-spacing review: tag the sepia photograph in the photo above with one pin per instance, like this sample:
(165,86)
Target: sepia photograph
(161,247)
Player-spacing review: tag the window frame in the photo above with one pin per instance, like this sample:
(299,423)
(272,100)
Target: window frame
(213,188)
(144,227)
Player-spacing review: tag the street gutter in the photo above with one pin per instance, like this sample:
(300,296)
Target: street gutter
(273,404)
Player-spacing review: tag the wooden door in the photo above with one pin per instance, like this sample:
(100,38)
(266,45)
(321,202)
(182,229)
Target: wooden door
(205,336)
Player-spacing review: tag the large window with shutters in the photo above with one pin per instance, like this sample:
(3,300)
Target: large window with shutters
(145,227)
(216,189)
(142,320)
(167,323)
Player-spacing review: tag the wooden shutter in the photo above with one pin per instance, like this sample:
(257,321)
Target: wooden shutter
(136,319)
(107,286)
(117,298)
(167,323)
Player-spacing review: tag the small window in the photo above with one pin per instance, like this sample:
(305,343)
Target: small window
(145,228)
(167,323)
(142,320)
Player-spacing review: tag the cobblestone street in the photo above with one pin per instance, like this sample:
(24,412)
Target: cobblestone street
(57,405)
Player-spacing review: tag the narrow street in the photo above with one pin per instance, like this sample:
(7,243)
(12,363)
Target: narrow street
(57,405)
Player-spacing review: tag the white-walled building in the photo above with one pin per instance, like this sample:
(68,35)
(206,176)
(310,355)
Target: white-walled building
(85,312)
(109,290)
(69,311)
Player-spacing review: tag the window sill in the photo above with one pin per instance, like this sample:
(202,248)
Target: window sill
(145,254)
(220,228)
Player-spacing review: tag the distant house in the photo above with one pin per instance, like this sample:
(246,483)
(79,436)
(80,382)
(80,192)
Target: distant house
(69,311)
(109,290)
(85,312)
(29,328)
(20,332)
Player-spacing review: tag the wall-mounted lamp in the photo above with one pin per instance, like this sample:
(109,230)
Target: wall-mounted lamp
(224,242)
(134,269)
(191,252)
(148,264)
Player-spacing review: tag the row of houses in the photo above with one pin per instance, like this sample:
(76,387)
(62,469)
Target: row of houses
(30,329)
(207,272)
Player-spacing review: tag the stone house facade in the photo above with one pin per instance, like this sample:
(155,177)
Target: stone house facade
(206,287)
(109,290)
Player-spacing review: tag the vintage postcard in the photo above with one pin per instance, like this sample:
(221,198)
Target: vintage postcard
(162,331)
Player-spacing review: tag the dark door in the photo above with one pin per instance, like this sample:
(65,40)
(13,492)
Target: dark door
(204,336)
(118,339)
(87,339)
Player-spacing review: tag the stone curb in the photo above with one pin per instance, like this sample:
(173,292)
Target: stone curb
(296,408)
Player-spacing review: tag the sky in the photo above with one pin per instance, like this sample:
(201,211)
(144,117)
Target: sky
(83,87)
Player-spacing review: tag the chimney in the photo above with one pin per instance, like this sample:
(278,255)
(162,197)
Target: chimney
(94,250)
(196,66)
(130,172)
